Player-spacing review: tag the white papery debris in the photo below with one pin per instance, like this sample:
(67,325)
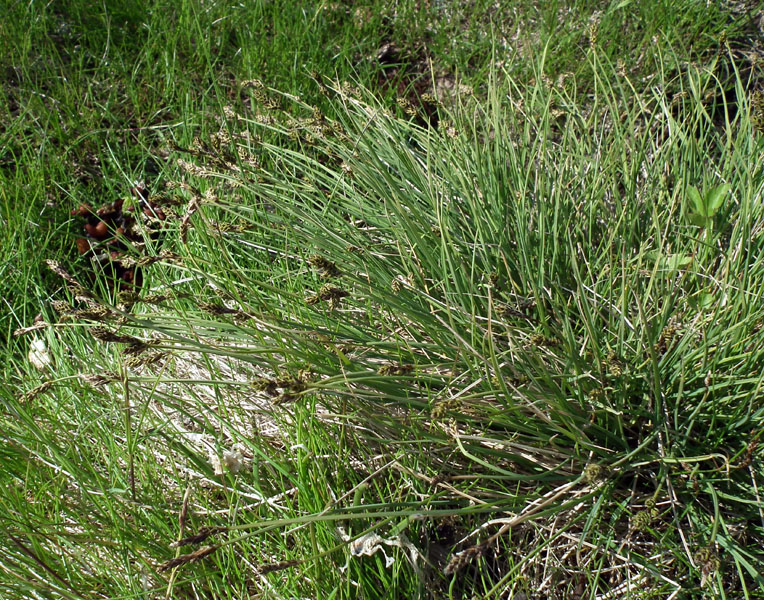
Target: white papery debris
(231,460)
(371,543)
(39,356)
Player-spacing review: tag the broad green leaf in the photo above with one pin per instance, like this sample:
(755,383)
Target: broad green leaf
(674,262)
(671,262)
(700,220)
(715,197)
(694,195)
(702,301)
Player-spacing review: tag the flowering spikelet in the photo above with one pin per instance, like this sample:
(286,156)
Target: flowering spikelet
(508,312)
(407,106)
(218,309)
(667,337)
(263,384)
(231,113)
(24,330)
(324,266)
(99,380)
(395,369)
(260,94)
(187,558)
(290,387)
(104,335)
(247,158)
(143,361)
(191,168)
(197,538)
(128,297)
(614,364)
(129,262)
(56,267)
(146,261)
(594,473)
(61,307)
(442,408)
(757,111)
(593,34)
(707,559)
(462,559)
(451,131)
(36,391)
(156,298)
(279,566)
(539,339)
(95,313)
(641,520)
(429,98)
(193,206)
(328,293)
(136,348)
(252,84)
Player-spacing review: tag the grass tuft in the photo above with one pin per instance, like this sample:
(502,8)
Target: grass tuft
(487,337)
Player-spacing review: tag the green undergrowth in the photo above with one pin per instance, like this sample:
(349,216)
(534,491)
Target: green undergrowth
(445,300)
(90,92)
(514,354)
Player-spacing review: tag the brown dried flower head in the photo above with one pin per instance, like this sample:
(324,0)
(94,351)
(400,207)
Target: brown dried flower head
(187,558)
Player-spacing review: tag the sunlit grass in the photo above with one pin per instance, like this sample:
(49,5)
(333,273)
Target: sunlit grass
(506,354)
